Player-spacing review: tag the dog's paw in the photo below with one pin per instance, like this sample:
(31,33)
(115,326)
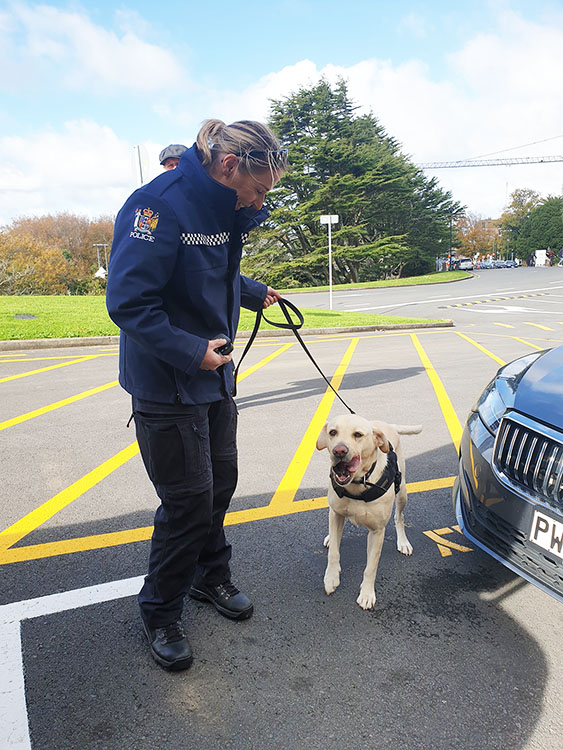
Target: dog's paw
(326,542)
(331,580)
(404,546)
(366,599)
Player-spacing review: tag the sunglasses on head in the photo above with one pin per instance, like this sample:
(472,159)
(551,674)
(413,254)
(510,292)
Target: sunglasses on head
(279,155)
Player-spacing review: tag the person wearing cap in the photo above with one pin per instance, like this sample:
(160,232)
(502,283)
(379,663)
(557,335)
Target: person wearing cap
(175,291)
(170,156)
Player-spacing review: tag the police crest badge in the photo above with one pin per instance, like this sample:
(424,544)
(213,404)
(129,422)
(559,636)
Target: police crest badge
(145,223)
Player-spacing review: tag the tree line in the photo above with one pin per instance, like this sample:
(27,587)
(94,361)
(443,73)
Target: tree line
(393,220)
(53,254)
(527,224)
(531,223)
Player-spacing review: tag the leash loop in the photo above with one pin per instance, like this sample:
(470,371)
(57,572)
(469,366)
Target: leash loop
(290,325)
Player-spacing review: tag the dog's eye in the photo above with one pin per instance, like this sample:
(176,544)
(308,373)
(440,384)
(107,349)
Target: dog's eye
(332,433)
(358,435)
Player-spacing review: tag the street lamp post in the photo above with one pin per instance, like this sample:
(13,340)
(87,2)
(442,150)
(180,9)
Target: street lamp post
(139,163)
(102,271)
(329,219)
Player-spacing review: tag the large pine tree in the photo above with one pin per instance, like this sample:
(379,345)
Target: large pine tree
(393,220)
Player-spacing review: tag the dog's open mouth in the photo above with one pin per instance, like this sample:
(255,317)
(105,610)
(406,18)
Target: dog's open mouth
(343,471)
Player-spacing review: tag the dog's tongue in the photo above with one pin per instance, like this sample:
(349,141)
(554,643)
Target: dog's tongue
(344,470)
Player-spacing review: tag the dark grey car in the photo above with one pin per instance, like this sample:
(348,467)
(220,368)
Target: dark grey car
(508,496)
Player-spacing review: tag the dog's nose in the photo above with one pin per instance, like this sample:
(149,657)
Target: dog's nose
(340,450)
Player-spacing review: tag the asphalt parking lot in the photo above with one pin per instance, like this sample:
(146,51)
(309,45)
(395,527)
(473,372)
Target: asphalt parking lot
(458,652)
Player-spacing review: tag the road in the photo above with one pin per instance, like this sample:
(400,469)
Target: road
(458,652)
(516,293)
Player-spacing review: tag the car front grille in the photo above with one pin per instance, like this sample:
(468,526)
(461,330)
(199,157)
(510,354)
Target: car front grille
(529,457)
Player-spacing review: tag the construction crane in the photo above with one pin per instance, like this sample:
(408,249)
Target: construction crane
(489,162)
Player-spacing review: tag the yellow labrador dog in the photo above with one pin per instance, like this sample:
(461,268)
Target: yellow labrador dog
(367,476)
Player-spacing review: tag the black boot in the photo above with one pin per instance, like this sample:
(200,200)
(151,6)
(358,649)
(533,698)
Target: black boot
(226,599)
(169,646)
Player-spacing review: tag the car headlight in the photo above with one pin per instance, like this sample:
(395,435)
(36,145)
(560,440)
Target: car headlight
(491,407)
(498,396)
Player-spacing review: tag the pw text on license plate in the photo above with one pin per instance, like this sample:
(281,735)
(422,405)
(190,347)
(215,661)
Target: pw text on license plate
(547,533)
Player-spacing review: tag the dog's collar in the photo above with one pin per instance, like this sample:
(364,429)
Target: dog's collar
(391,475)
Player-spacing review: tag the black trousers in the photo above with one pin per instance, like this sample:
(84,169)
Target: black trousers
(190,455)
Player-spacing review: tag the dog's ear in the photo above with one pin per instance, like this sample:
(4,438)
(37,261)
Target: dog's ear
(380,440)
(322,441)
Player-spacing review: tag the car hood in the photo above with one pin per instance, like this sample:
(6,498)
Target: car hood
(540,391)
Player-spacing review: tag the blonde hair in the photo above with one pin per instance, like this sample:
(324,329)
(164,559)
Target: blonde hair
(256,146)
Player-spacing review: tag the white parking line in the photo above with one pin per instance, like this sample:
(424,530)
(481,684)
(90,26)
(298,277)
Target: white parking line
(14,731)
(502,310)
(444,299)
(14,725)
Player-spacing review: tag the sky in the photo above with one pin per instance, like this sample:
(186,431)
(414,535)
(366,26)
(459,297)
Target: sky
(86,87)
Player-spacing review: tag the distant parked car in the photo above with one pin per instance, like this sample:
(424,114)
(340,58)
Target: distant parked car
(510,264)
(499,264)
(465,264)
(486,264)
(508,496)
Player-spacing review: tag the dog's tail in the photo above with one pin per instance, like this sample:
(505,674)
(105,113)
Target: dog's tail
(407,429)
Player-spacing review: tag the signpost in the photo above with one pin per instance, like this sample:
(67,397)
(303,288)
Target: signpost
(329,219)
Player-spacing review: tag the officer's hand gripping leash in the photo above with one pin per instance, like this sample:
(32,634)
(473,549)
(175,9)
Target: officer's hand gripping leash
(285,306)
(225,348)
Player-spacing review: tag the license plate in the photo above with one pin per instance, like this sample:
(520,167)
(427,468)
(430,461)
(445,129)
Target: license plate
(547,533)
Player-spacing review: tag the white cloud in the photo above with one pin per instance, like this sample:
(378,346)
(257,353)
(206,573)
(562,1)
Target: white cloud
(84,168)
(84,55)
(414,24)
(497,92)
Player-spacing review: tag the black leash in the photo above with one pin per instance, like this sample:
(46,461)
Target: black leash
(285,306)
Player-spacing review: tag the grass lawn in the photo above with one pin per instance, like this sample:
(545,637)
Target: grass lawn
(429,278)
(68,317)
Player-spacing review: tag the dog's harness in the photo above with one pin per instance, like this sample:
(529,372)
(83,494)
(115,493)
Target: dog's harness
(391,475)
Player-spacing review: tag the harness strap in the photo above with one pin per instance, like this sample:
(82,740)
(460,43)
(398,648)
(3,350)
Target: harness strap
(391,475)
(285,306)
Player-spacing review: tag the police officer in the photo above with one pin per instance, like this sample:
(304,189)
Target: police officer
(170,156)
(175,290)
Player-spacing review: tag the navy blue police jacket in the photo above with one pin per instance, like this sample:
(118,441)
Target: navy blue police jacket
(174,283)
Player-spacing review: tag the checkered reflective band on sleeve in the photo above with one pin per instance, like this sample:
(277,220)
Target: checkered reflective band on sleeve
(193,238)
(244,237)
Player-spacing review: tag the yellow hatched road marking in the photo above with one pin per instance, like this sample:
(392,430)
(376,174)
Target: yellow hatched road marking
(45,359)
(56,405)
(537,325)
(51,367)
(117,538)
(445,547)
(48,509)
(451,418)
(291,480)
(482,349)
(528,343)
(100,388)
(264,361)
